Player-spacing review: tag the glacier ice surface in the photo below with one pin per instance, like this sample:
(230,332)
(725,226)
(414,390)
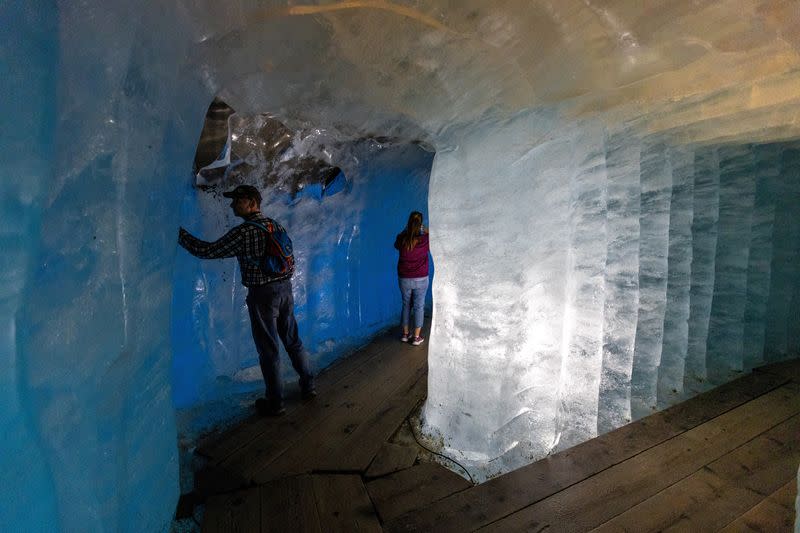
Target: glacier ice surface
(345,285)
(574,140)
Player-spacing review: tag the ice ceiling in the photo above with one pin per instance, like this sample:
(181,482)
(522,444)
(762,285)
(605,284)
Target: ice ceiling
(613,206)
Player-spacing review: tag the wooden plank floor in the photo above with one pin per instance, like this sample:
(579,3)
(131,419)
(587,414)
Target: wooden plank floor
(724,460)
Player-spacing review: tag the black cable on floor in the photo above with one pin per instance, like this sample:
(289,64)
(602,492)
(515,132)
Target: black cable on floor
(413,434)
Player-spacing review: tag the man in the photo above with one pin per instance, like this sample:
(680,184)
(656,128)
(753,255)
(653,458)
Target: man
(269,297)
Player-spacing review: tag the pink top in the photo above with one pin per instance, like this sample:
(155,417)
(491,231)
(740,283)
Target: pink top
(413,263)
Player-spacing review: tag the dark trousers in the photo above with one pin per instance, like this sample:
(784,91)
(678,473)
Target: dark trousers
(271,309)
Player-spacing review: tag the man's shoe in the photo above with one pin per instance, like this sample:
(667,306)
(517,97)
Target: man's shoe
(265,408)
(307,389)
(416,341)
(309,394)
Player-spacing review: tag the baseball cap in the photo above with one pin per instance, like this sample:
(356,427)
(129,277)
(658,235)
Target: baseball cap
(244,191)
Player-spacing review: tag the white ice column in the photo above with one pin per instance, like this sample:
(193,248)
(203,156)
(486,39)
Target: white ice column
(653,250)
(781,314)
(726,325)
(793,260)
(583,329)
(793,325)
(621,280)
(676,318)
(500,248)
(797,505)
(767,161)
(704,244)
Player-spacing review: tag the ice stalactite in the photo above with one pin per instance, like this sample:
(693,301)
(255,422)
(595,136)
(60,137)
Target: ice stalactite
(679,264)
(621,281)
(581,359)
(704,244)
(736,191)
(767,174)
(654,218)
(782,315)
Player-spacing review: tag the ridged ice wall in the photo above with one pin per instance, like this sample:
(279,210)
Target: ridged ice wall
(627,273)
(560,274)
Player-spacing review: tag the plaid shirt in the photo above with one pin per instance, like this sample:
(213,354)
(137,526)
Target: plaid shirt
(245,241)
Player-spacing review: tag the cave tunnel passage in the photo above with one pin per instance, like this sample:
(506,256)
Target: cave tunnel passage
(104,103)
(342,202)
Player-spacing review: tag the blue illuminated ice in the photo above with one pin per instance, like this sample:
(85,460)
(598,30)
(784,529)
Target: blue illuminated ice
(614,209)
(344,291)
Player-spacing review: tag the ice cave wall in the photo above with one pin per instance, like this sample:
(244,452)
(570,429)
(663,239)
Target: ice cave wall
(590,114)
(27,132)
(345,282)
(92,148)
(797,505)
(639,272)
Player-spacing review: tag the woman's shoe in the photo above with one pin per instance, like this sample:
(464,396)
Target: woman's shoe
(416,341)
(404,337)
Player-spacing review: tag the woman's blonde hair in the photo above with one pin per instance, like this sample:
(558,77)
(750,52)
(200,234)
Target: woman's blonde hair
(410,235)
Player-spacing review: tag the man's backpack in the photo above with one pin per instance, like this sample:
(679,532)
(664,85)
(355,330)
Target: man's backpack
(278,261)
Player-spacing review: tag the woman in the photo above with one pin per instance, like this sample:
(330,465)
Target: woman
(412,271)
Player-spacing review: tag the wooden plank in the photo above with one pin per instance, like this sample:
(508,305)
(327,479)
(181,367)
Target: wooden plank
(686,506)
(289,504)
(413,488)
(290,430)
(300,455)
(485,503)
(719,400)
(331,382)
(356,451)
(603,496)
(515,490)
(775,513)
(767,462)
(237,512)
(723,490)
(787,369)
(343,504)
(391,458)
(215,480)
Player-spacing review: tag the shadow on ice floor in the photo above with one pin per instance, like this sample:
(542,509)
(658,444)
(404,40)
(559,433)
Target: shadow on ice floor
(724,460)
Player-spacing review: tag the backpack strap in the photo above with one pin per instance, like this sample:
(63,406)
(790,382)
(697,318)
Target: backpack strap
(270,234)
(255,262)
(257,224)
